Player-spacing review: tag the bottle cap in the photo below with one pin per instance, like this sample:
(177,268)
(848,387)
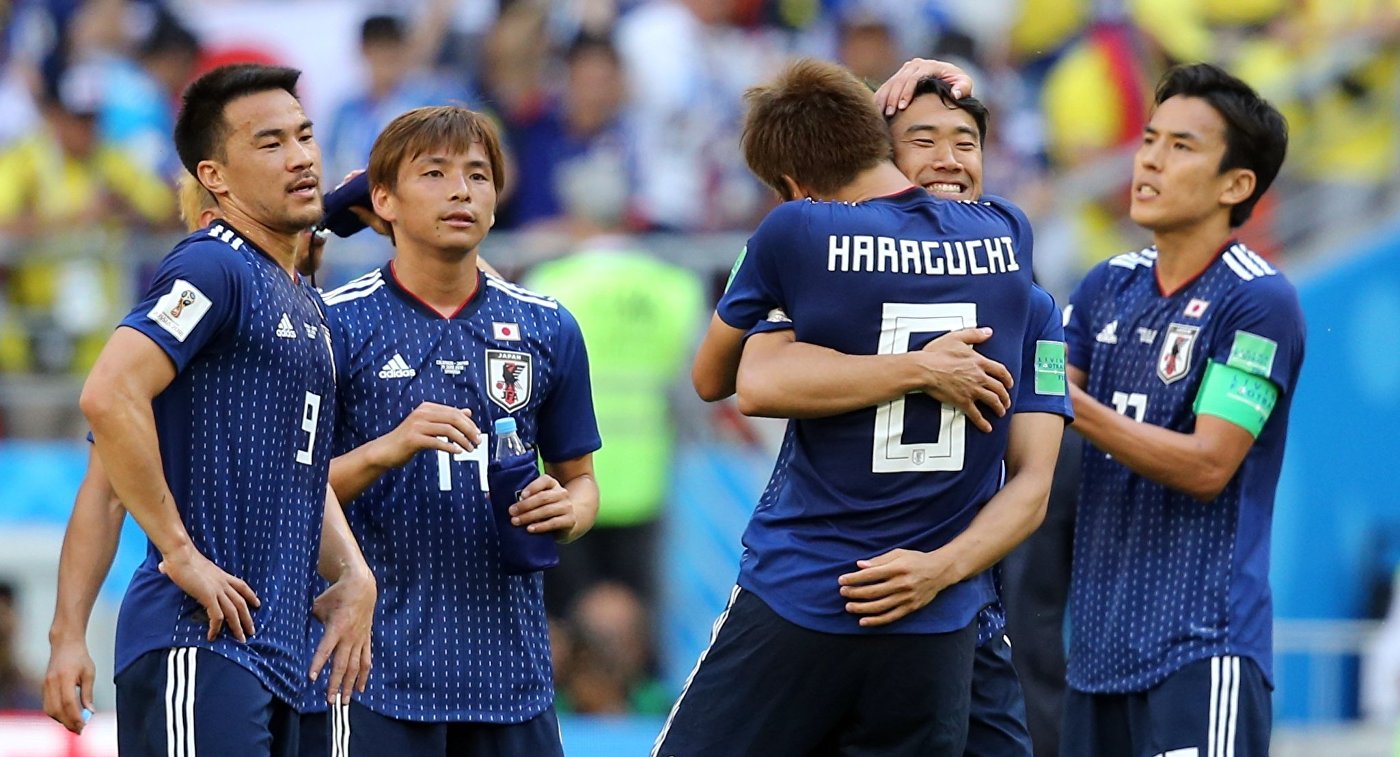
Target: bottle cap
(505,426)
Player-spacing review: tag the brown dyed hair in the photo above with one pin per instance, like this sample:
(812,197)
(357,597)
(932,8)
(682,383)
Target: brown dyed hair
(816,123)
(423,130)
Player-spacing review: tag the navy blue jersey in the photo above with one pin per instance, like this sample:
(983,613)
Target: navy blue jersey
(455,637)
(1160,580)
(1040,388)
(881,276)
(244,434)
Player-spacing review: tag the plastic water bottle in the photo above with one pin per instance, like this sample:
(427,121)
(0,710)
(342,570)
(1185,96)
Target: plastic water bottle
(508,442)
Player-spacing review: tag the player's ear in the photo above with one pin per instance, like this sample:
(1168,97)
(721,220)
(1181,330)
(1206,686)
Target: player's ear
(385,205)
(794,190)
(1240,183)
(210,174)
(492,223)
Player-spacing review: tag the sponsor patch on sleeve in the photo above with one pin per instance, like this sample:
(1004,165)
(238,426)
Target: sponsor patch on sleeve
(1252,353)
(1050,368)
(180,310)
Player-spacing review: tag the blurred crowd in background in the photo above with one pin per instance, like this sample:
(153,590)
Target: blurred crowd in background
(622,123)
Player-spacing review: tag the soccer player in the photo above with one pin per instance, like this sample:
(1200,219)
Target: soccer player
(791,669)
(1183,359)
(938,142)
(206,410)
(429,353)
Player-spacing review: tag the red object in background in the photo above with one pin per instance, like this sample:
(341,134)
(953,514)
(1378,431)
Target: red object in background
(213,57)
(1258,232)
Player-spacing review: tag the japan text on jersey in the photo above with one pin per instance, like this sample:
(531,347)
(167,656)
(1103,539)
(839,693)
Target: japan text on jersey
(244,440)
(456,638)
(907,268)
(1159,579)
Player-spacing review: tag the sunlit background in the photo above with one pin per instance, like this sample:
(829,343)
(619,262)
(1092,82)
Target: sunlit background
(621,118)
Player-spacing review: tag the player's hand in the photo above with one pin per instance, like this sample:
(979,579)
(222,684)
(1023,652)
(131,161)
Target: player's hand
(68,683)
(960,376)
(546,508)
(898,91)
(225,598)
(888,587)
(347,611)
(429,426)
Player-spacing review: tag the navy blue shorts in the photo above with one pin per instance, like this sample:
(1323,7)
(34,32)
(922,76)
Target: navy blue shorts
(353,730)
(768,687)
(1211,708)
(315,735)
(996,723)
(185,702)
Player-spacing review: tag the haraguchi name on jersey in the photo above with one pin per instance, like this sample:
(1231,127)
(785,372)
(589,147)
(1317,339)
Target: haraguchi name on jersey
(969,257)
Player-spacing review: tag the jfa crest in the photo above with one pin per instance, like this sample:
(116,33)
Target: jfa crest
(1174,361)
(509,376)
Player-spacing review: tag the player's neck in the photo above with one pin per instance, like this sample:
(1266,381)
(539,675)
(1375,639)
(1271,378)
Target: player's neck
(278,245)
(1183,253)
(443,280)
(881,181)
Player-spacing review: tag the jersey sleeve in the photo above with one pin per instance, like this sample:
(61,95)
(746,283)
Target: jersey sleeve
(193,302)
(755,286)
(1022,238)
(567,425)
(1078,314)
(1041,387)
(1262,332)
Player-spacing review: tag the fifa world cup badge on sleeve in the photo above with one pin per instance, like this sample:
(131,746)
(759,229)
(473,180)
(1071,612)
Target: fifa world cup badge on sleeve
(181,309)
(509,375)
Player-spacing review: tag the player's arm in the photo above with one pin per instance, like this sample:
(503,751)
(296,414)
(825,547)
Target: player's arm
(89,544)
(717,360)
(563,502)
(782,378)
(346,608)
(116,399)
(890,586)
(1199,463)
(430,426)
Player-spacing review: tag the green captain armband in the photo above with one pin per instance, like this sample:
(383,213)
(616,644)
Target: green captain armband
(735,270)
(1238,396)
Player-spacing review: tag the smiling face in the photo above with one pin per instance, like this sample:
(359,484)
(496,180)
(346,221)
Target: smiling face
(444,201)
(1177,181)
(270,164)
(938,147)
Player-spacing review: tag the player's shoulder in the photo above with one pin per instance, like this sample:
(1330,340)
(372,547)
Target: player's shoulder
(518,296)
(1001,205)
(356,292)
(216,244)
(1257,283)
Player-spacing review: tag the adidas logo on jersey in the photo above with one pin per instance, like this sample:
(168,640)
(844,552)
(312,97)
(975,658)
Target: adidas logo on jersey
(285,329)
(1109,334)
(396,368)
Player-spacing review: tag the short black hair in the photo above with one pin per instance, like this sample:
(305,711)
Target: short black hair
(200,129)
(932,85)
(1256,134)
(380,29)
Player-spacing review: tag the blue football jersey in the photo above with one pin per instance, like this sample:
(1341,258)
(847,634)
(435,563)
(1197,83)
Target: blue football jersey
(1159,579)
(455,637)
(882,276)
(1044,343)
(244,434)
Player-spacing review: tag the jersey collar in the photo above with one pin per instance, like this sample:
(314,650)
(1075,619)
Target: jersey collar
(468,308)
(1157,279)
